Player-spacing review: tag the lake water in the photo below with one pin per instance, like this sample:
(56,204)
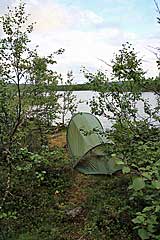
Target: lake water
(85,96)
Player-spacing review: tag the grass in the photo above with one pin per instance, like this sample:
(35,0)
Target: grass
(42,207)
(106,212)
(109,210)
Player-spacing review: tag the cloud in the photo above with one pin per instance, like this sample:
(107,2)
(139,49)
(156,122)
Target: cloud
(86,48)
(90,17)
(145,48)
(48,15)
(85,35)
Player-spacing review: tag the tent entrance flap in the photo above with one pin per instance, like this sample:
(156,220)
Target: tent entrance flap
(88,145)
(95,163)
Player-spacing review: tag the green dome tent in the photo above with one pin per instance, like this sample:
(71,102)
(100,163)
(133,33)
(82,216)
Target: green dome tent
(88,145)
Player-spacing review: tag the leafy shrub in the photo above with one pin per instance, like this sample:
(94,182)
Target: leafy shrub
(136,139)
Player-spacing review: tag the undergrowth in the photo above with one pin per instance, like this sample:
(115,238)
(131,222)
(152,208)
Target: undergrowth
(42,197)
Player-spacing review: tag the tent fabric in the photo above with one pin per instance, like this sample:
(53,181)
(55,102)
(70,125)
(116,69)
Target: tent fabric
(88,145)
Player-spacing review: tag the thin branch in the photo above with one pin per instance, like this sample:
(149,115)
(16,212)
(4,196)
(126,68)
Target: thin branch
(105,62)
(158,9)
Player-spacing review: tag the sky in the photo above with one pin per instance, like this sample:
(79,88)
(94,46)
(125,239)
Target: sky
(93,30)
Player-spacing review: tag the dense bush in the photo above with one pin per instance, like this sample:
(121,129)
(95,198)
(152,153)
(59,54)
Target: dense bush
(30,173)
(136,138)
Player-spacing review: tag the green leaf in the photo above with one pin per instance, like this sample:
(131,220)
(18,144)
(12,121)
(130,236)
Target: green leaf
(156,184)
(151,228)
(147,209)
(126,170)
(157,209)
(143,233)
(147,175)
(113,155)
(138,183)
(134,165)
(119,162)
(138,220)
